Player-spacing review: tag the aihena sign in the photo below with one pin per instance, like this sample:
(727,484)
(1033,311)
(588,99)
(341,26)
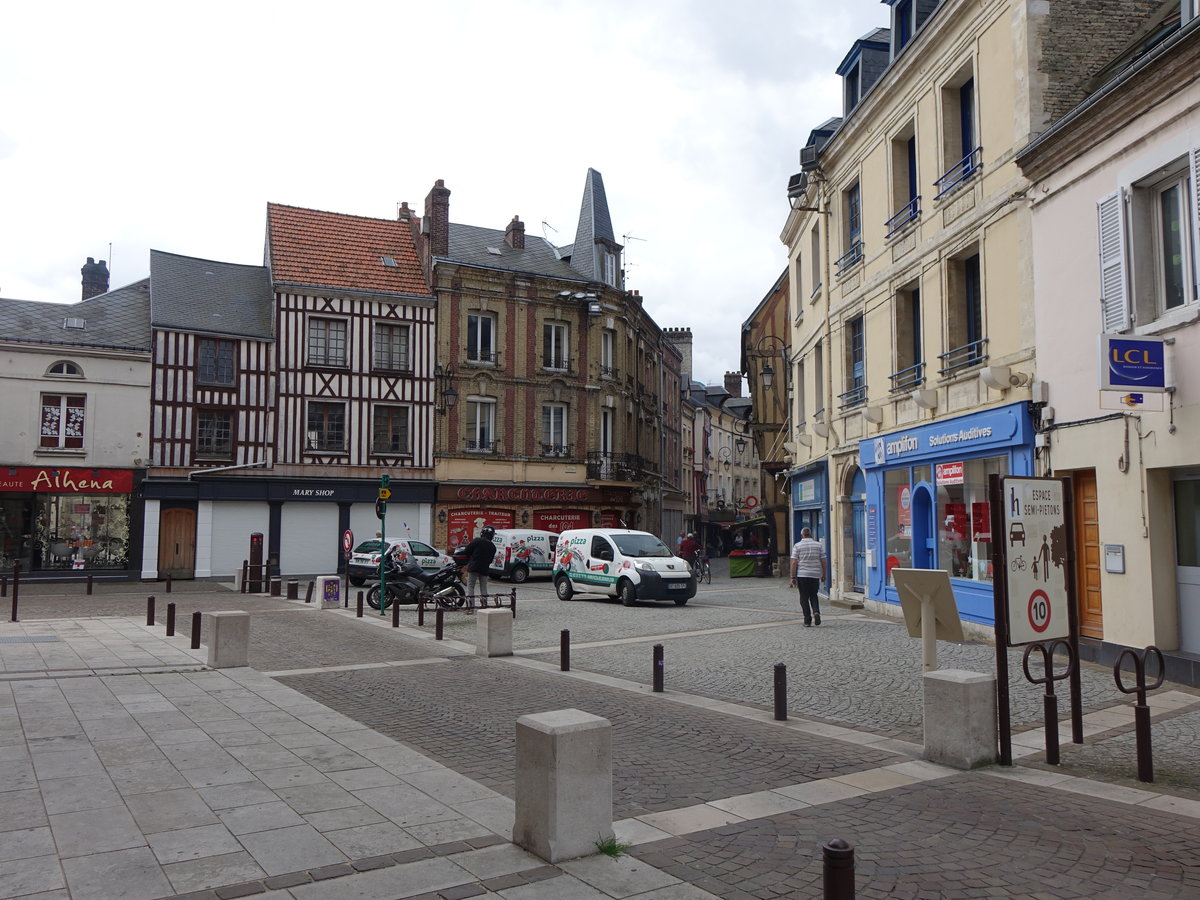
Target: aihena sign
(62,480)
(1133,363)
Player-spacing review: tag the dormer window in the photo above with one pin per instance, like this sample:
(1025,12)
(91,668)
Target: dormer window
(65,369)
(863,66)
(902,26)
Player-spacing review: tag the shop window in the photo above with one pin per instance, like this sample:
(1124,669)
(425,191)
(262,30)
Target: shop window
(81,531)
(326,427)
(62,421)
(326,342)
(214,434)
(214,362)
(390,429)
(391,347)
(481,338)
(964,516)
(897,506)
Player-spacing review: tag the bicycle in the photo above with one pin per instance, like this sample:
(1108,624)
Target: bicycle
(701,569)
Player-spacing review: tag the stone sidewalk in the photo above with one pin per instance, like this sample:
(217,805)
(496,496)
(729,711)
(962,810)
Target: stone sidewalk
(130,770)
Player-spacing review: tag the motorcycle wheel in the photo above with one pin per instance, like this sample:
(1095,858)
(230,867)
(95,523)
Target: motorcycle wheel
(373,597)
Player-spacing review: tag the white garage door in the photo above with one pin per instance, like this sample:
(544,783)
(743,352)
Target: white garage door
(309,540)
(232,524)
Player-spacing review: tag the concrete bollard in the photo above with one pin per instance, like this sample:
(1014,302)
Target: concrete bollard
(329,591)
(228,639)
(563,784)
(960,718)
(493,633)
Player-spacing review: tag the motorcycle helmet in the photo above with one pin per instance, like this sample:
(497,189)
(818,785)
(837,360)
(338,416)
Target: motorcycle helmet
(487,532)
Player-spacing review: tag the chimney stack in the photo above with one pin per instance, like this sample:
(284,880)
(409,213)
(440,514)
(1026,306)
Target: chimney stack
(437,219)
(733,383)
(514,234)
(95,278)
(403,212)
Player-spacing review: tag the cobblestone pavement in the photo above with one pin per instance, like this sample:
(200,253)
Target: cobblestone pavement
(965,836)
(665,755)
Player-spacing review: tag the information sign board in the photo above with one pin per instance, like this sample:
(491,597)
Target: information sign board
(1036,540)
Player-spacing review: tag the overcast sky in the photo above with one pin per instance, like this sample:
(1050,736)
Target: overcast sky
(171,126)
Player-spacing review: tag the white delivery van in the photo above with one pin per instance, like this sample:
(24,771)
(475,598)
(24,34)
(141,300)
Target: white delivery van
(631,565)
(521,552)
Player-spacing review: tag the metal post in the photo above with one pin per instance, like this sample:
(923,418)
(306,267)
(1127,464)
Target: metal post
(1141,712)
(1145,753)
(359,605)
(293,592)
(245,575)
(89,585)
(1050,707)
(564,650)
(3,585)
(420,613)
(658,668)
(838,859)
(150,610)
(780,692)
(168,582)
(170,620)
(16,587)
(1000,611)
(395,615)
(196,630)
(276,586)
(512,602)
(438,624)
(308,595)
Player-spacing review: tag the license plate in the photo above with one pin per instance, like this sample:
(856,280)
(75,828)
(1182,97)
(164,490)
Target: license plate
(676,586)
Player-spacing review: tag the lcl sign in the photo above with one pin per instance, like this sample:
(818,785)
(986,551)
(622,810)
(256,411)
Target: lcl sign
(1132,363)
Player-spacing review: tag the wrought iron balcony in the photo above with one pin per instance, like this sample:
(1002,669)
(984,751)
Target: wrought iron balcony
(556,363)
(963,357)
(609,372)
(849,259)
(556,449)
(908,379)
(856,396)
(603,466)
(959,173)
(477,446)
(482,357)
(910,212)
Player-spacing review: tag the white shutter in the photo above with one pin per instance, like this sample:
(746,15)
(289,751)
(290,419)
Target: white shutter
(1114,290)
(1195,207)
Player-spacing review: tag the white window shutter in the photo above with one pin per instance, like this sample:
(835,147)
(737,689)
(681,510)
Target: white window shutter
(1195,160)
(1114,289)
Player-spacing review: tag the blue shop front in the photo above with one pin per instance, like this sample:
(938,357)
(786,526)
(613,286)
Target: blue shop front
(927,503)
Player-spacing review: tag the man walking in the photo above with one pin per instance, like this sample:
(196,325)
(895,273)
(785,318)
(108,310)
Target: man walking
(808,571)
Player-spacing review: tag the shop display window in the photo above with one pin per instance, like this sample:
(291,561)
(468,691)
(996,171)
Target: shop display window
(898,512)
(82,531)
(964,516)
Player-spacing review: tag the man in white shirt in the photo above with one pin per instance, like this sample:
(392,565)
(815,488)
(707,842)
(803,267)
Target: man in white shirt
(808,571)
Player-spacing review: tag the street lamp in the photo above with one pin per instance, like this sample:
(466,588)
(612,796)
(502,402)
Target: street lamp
(443,378)
(768,353)
(723,456)
(740,443)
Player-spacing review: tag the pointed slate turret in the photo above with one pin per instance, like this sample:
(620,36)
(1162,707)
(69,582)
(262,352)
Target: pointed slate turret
(596,255)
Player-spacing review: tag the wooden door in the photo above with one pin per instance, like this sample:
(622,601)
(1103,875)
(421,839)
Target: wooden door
(177,543)
(1088,554)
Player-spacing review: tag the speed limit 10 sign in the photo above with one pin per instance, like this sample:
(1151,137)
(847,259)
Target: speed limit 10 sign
(1037,555)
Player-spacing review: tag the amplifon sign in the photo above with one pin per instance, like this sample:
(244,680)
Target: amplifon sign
(950,473)
(1133,363)
(61,480)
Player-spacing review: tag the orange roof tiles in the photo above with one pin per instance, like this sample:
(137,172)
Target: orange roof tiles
(325,249)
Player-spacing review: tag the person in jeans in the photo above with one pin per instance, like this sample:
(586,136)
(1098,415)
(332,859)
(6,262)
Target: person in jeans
(479,558)
(808,571)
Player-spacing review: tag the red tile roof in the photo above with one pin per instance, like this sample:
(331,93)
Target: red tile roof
(325,249)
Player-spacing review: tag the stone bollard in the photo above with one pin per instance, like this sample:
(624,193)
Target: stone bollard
(493,632)
(960,718)
(329,591)
(228,639)
(563,784)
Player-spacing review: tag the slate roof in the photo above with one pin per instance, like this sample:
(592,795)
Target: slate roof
(335,250)
(117,319)
(200,295)
(595,224)
(470,244)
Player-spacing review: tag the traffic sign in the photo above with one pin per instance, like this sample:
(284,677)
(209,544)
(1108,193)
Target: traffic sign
(380,509)
(347,540)
(1037,554)
(1039,611)
(385,494)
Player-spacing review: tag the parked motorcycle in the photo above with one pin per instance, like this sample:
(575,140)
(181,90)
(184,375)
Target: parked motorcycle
(407,582)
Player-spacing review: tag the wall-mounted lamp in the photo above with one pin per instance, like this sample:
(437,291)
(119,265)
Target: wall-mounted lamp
(444,384)
(740,443)
(442,516)
(723,456)
(765,351)
(524,517)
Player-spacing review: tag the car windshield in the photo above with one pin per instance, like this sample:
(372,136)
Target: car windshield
(640,545)
(367,547)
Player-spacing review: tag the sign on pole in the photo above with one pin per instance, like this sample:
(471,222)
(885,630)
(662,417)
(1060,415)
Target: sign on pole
(348,541)
(1038,555)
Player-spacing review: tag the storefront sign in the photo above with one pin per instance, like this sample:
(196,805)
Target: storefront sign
(950,473)
(464,524)
(1133,363)
(67,481)
(904,510)
(962,436)
(525,494)
(560,521)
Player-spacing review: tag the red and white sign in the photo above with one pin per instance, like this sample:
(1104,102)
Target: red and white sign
(559,521)
(348,540)
(63,480)
(464,524)
(950,473)
(904,510)
(1035,539)
(750,502)
(1039,611)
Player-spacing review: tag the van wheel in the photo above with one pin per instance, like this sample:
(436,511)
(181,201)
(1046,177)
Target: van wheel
(563,588)
(357,581)
(627,592)
(519,574)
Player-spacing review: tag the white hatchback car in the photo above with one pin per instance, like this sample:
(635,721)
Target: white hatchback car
(364,560)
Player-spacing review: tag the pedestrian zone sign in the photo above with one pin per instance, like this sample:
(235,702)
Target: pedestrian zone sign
(1035,536)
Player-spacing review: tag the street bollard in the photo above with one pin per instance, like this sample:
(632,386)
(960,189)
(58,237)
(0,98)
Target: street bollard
(395,615)
(512,603)
(293,591)
(16,581)
(359,605)
(276,587)
(1141,711)
(658,668)
(838,870)
(420,613)
(196,630)
(89,585)
(245,575)
(308,596)
(564,650)
(438,623)
(168,582)
(170,620)
(150,610)
(780,692)
(3,585)
(1049,700)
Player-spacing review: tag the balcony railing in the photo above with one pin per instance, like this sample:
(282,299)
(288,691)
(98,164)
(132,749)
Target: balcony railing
(603,466)
(609,372)
(482,357)
(556,449)
(910,212)
(908,379)
(556,363)
(849,259)
(856,396)
(477,446)
(960,172)
(962,357)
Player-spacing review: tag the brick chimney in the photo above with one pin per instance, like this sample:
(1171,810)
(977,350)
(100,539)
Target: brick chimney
(733,383)
(403,212)
(514,234)
(95,278)
(436,224)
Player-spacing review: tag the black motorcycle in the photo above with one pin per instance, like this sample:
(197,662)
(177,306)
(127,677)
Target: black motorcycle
(408,582)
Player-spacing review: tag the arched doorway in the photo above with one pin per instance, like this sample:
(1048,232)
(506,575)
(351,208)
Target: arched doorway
(858,529)
(924,535)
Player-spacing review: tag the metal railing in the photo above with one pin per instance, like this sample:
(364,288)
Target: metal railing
(856,396)
(849,259)
(908,379)
(959,173)
(481,357)
(556,449)
(556,363)
(475,446)
(910,212)
(962,357)
(603,466)
(609,372)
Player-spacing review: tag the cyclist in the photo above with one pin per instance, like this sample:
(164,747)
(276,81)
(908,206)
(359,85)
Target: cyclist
(690,550)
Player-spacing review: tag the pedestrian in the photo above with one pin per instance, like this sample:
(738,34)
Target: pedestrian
(479,555)
(678,541)
(808,571)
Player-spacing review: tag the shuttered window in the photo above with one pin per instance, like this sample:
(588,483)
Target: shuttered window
(1114,289)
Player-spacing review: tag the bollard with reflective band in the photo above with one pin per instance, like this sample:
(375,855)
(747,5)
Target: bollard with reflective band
(658,668)
(150,610)
(564,650)
(780,692)
(838,858)
(196,631)
(170,620)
